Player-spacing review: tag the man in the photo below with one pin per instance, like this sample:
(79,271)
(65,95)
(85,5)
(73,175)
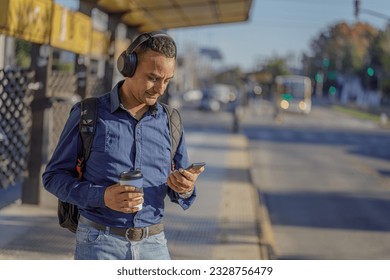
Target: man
(132,134)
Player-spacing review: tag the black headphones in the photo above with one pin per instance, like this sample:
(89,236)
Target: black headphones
(127,61)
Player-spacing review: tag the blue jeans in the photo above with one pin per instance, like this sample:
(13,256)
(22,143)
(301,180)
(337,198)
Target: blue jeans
(94,244)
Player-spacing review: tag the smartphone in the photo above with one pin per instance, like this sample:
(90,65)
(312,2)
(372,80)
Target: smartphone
(195,166)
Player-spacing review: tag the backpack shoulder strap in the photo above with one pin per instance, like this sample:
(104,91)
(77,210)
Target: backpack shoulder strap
(87,127)
(175,127)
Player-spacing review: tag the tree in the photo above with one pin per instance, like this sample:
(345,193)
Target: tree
(341,48)
(378,58)
(232,77)
(276,66)
(270,69)
(344,47)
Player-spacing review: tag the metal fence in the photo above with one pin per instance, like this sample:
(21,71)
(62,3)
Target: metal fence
(95,87)
(16,96)
(62,89)
(16,127)
(15,124)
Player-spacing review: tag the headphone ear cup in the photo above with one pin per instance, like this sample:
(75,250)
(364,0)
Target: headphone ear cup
(121,63)
(127,63)
(132,64)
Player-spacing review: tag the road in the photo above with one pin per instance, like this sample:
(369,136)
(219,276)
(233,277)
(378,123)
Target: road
(325,181)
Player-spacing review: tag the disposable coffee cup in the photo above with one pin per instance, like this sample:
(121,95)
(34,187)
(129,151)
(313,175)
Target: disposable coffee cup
(132,178)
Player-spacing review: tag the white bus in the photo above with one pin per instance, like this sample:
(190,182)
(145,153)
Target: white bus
(293,93)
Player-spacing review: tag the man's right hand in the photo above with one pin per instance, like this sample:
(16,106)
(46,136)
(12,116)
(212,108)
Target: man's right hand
(123,198)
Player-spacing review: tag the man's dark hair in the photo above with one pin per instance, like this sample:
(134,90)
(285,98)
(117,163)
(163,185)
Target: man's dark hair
(161,44)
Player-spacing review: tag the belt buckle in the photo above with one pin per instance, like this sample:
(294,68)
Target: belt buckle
(144,234)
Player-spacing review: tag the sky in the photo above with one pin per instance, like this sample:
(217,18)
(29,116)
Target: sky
(277,27)
(274,28)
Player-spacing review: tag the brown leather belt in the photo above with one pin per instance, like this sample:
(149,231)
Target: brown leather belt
(131,234)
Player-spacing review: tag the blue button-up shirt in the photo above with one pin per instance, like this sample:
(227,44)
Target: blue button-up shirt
(121,143)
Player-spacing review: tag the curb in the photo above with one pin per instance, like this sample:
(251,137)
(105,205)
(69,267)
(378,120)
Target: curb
(266,236)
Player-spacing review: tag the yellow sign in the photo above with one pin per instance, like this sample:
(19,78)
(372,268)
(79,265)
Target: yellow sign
(82,33)
(45,22)
(71,31)
(60,27)
(29,20)
(100,43)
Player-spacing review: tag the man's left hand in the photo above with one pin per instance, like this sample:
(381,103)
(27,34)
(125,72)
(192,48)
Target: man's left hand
(183,181)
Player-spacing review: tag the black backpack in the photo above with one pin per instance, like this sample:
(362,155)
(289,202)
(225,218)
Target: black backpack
(68,214)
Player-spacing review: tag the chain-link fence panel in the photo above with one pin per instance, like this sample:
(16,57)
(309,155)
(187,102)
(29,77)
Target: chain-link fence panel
(59,113)
(95,86)
(62,84)
(15,124)
(62,88)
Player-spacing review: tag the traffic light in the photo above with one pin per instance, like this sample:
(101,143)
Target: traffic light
(370,72)
(319,78)
(325,62)
(371,79)
(357,8)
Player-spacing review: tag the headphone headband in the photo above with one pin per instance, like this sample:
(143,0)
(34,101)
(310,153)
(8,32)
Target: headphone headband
(143,38)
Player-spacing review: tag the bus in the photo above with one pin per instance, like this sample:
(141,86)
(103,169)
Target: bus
(293,93)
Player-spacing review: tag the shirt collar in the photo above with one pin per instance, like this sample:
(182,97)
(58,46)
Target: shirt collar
(115,101)
(114,96)
(154,109)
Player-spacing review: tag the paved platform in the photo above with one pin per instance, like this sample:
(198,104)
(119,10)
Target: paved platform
(222,224)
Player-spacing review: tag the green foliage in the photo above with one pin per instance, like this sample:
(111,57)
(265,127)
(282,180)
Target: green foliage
(23,53)
(342,47)
(276,66)
(270,69)
(67,67)
(379,53)
(232,77)
(357,49)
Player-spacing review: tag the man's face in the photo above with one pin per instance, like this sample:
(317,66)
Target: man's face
(151,78)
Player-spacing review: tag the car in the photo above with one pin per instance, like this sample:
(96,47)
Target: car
(217,97)
(192,95)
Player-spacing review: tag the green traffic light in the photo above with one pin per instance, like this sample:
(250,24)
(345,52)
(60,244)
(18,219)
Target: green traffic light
(319,78)
(370,71)
(326,62)
(332,90)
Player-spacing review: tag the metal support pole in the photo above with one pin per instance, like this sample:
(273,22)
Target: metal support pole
(41,64)
(2,51)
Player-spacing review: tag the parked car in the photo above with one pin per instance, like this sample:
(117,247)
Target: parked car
(192,95)
(217,97)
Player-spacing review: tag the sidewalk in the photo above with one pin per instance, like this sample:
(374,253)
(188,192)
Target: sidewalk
(222,224)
